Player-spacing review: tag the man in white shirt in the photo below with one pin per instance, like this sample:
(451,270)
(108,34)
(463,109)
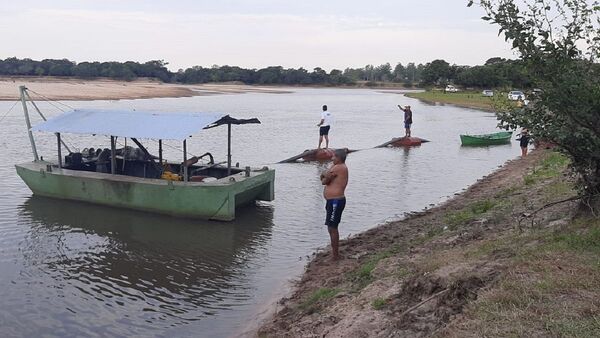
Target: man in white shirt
(324,125)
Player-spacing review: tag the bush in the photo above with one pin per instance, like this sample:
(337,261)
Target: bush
(559,43)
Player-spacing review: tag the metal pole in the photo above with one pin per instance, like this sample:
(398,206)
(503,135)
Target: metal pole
(28,122)
(228,149)
(185,168)
(44,117)
(59,150)
(160,152)
(113,159)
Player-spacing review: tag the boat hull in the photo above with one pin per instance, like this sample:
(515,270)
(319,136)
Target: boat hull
(211,200)
(486,140)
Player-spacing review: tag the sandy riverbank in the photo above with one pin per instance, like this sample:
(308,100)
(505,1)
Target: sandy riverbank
(104,89)
(480,264)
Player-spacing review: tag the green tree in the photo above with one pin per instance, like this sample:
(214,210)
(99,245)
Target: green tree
(559,43)
(383,72)
(354,74)
(399,73)
(412,74)
(319,76)
(436,72)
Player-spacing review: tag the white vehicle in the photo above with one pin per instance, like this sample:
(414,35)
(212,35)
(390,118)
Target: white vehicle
(487,92)
(516,95)
(450,89)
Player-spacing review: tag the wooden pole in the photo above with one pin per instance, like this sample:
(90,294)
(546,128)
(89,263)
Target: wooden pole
(160,152)
(59,150)
(28,122)
(185,167)
(113,159)
(228,149)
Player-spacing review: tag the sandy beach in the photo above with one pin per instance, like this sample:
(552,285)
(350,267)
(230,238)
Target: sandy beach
(55,88)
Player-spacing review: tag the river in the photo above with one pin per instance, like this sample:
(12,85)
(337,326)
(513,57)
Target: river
(72,269)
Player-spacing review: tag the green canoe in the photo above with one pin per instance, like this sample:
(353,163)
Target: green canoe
(486,139)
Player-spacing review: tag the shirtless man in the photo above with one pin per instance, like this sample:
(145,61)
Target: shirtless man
(335,181)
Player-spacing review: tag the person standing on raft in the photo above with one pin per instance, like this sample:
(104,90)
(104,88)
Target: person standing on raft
(324,125)
(407,119)
(335,181)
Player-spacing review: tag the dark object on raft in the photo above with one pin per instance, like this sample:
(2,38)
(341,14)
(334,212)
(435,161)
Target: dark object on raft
(403,142)
(321,155)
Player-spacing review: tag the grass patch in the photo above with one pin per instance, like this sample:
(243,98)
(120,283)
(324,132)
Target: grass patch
(482,207)
(484,249)
(548,288)
(558,190)
(464,98)
(318,296)
(587,240)
(378,303)
(363,276)
(507,192)
(469,214)
(552,166)
(403,273)
(577,327)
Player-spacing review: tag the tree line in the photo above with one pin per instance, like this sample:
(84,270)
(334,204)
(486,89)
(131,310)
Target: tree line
(496,72)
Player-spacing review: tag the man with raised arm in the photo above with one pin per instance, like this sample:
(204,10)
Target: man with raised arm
(407,119)
(335,181)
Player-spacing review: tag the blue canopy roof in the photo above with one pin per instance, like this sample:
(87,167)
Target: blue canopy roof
(166,126)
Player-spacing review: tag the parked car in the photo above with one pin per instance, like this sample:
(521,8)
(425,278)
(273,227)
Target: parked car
(516,95)
(487,92)
(450,89)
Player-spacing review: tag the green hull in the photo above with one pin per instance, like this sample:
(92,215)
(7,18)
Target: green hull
(211,200)
(486,139)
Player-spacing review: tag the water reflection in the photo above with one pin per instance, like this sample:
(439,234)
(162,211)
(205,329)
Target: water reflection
(169,267)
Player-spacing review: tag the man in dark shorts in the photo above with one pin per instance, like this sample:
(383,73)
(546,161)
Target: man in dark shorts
(324,125)
(335,181)
(407,119)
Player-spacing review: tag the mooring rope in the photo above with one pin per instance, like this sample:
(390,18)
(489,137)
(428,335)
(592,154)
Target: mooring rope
(50,101)
(8,112)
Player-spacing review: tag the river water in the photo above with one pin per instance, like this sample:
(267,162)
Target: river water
(72,269)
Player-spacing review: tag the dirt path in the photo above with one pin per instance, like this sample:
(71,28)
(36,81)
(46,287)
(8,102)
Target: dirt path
(412,277)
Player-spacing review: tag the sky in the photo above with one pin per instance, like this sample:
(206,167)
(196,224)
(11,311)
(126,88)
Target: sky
(331,34)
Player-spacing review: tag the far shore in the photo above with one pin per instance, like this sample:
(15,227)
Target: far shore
(75,89)
(467,99)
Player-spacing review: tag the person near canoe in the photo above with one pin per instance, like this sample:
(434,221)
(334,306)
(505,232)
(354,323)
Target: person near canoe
(324,127)
(407,119)
(335,180)
(524,141)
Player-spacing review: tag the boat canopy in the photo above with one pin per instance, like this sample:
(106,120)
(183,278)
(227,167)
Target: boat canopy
(135,124)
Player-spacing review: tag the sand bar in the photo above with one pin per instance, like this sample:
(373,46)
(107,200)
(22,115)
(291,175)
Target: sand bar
(56,88)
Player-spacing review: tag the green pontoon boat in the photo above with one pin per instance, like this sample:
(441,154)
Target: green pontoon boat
(486,139)
(133,178)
